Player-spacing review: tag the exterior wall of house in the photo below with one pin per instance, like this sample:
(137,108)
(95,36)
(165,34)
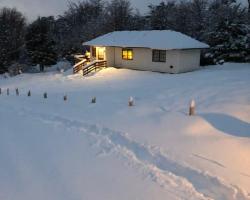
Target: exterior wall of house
(142,60)
(110,56)
(177,61)
(189,60)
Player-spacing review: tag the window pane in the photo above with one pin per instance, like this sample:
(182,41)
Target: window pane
(156,55)
(124,54)
(130,54)
(159,56)
(163,56)
(127,54)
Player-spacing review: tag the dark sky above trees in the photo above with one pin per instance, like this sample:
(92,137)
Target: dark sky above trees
(33,8)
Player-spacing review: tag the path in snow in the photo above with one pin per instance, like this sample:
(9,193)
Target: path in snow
(163,170)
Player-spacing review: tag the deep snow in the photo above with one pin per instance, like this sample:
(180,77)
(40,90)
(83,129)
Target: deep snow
(51,149)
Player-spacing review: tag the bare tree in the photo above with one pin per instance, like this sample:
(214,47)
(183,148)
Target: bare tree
(119,15)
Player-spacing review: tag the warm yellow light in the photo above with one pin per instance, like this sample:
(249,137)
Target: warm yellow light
(124,54)
(127,54)
(87,54)
(130,55)
(100,53)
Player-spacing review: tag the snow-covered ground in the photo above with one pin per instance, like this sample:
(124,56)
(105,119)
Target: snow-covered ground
(51,149)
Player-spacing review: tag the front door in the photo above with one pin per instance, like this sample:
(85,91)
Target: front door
(101,53)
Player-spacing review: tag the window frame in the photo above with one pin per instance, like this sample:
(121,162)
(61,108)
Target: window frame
(159,55)
(126,57)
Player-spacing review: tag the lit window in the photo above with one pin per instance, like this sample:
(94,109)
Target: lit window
(127,54)
(159,56)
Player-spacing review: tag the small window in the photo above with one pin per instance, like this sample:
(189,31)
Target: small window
(159,56)
(127,54)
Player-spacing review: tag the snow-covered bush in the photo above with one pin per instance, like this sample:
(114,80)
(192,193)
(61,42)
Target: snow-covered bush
(17,68)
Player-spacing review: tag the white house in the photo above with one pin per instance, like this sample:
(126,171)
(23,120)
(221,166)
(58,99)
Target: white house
(161,51)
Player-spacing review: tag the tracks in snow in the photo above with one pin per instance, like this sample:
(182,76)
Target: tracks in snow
(170,174)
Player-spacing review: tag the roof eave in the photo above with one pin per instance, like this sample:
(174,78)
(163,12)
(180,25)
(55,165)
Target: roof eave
(124,46)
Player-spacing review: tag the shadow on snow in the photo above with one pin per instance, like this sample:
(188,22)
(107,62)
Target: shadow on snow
(228,124)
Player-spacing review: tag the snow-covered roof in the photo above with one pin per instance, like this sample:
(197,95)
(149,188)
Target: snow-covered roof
(154,39)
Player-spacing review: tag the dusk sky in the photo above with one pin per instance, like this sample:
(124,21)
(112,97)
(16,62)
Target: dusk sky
(33,8)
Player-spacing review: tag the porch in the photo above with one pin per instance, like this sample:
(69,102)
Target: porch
(91,62)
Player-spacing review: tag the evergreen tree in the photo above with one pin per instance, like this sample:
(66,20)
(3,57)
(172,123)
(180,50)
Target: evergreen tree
(40,43)
(12,28)
(227,33)
(230,42)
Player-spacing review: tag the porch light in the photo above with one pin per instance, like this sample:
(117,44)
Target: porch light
(87,54)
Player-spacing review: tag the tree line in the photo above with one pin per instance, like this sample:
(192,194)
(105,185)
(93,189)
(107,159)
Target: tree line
(223,24)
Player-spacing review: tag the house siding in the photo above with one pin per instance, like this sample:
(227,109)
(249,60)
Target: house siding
(110,56)
(189,60)
(142,60)
(180,60)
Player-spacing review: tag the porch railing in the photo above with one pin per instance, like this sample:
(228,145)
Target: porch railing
(79,66)
(94,66)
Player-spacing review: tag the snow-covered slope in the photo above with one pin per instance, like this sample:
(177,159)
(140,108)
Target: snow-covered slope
(51,149)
